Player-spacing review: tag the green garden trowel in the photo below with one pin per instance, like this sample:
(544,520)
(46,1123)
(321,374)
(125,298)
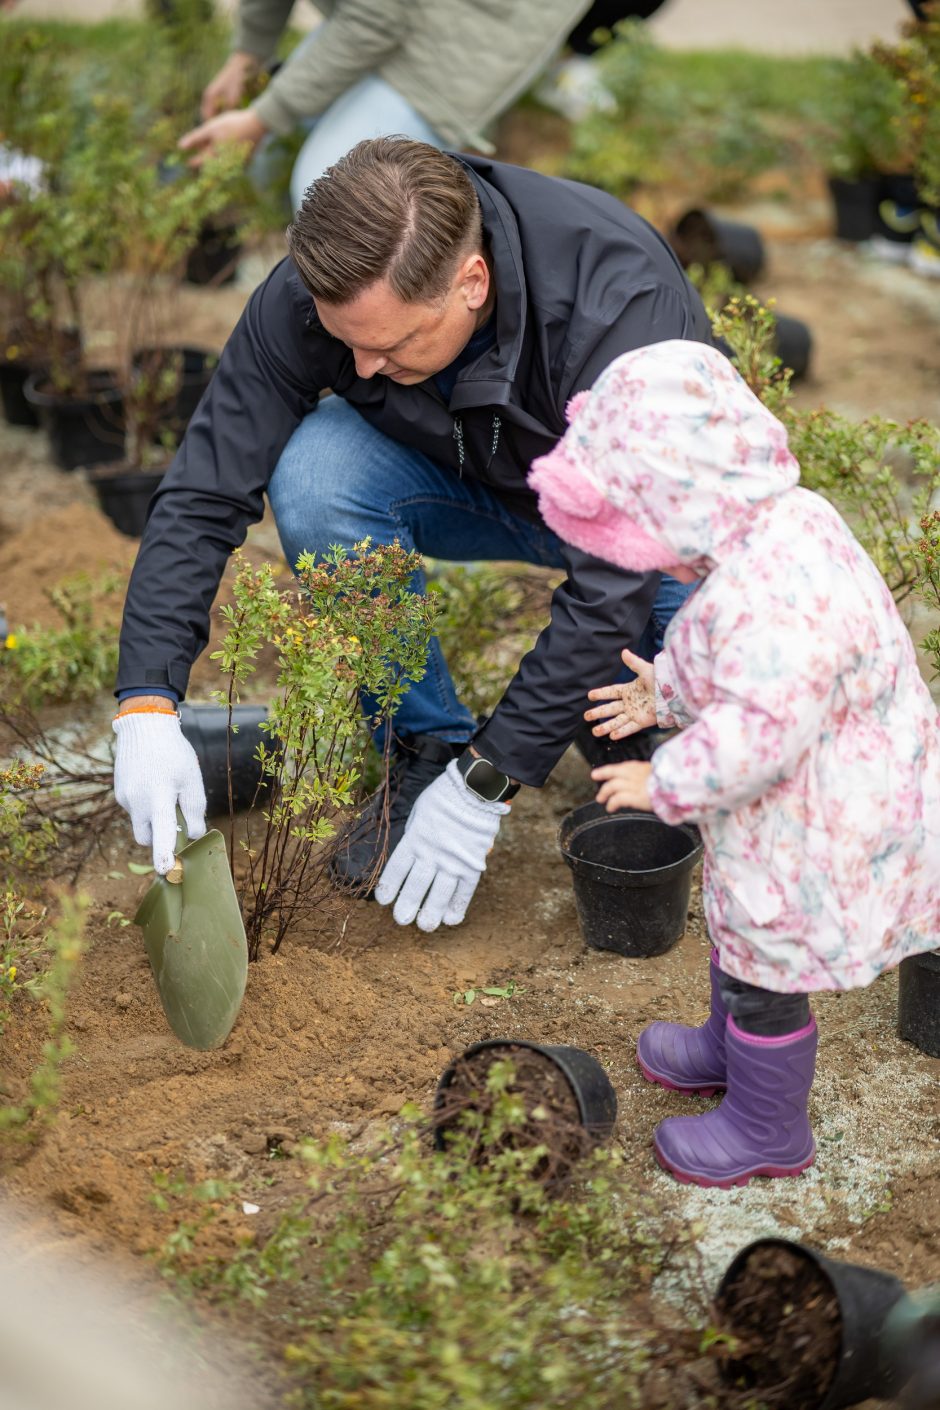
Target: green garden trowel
(195,941)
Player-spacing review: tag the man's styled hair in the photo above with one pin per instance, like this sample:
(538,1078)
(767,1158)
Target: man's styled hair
(390,208)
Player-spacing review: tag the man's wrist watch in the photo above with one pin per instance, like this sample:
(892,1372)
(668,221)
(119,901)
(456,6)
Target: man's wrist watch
(485,780)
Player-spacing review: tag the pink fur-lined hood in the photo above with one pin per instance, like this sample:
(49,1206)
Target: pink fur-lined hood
(665,461)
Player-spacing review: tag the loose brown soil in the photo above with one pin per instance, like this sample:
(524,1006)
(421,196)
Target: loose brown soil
(784,1316)
(355,1018)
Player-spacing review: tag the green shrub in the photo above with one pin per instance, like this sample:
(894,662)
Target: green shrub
(70,662)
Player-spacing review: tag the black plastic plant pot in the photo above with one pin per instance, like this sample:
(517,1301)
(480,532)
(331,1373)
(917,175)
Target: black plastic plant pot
(583,1075)
(632,877)
(17,411)
(86,430)
(206,728)
(919,1002)
(808,1326)
(698,237)
(856,207)
(793,344)
(214,258)
(195,374)
(125,496)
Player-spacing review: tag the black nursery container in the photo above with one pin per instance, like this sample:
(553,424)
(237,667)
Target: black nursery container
(17,411)
(865,1297)
(214,258)
(206,728)
(856,207)
(125,498)
(632,878)
(592,1088)
(86,430)
(698,237)
(919,1002)
(793,344)
(196,372)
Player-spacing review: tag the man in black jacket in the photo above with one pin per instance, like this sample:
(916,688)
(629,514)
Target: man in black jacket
(453,305)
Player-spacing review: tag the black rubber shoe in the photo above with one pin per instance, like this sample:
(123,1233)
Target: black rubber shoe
(601,749)
(357,863)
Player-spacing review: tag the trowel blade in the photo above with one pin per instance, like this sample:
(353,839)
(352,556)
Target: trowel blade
(195,941)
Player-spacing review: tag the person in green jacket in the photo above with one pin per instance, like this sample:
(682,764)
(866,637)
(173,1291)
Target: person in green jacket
(438,71)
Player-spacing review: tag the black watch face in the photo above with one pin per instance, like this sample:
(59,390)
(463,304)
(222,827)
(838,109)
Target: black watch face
(485,781)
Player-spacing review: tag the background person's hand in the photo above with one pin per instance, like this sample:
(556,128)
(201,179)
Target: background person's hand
(242,127)
(433,872)
(624,785)
(155,767)
(228,87)
(630,706)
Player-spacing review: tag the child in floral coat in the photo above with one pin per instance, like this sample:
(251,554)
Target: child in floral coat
(809,753)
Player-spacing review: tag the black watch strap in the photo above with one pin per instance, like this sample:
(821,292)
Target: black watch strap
(485,779)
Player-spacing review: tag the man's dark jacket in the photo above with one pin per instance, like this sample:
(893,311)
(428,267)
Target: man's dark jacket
(579,279)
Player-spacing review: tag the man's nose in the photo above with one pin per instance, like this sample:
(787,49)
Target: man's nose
(368,364)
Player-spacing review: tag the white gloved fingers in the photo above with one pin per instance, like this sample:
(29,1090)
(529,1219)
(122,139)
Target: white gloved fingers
(413,892)
(437,901)
(462,897)
(140,825)
(394,873)
(193,804)
(165,835)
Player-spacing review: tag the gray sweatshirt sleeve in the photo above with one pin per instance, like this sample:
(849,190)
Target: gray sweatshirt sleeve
(353,42)
(260,25)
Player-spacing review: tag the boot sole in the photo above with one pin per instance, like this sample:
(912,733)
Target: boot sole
(707,1182)
(708,1090)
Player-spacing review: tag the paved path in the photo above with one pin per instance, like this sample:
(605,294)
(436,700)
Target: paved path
(796,27)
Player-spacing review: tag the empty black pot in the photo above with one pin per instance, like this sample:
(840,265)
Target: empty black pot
(594,1093)
(856,206)
(214,258)
(698,237)
(793,344)
(206,728)
(632,878)
(865,1297)
(125,498)
(85,430)
(919,1001)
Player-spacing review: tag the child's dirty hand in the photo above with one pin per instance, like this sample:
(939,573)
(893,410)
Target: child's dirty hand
(630,707)
(624,785)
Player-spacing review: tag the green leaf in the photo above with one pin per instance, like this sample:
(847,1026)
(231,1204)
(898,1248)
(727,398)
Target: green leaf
(139,868)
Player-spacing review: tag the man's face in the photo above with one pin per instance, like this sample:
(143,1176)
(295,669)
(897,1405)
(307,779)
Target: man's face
(410,342)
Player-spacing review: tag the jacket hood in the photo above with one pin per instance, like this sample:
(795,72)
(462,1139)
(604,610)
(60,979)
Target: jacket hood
(667,460)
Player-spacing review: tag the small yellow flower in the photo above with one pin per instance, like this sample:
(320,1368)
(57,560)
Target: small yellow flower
(11,642)
(11,973)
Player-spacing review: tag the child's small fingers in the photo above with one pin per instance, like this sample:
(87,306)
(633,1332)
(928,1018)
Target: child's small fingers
(623,731)
(603,712)
(605,692)
(638,664)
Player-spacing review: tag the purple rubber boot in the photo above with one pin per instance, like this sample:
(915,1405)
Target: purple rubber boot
(761,1127)
(690,1060)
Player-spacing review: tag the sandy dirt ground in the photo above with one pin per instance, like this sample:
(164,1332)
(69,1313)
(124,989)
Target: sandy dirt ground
(358,1016)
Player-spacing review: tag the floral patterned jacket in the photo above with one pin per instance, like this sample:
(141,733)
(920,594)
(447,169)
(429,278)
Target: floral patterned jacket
(810,748)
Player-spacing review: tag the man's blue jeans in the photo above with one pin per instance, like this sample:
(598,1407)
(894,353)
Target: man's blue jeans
(340,480)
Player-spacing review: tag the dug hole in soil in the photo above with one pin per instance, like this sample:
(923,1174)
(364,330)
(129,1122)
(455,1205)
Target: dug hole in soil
(355,1018)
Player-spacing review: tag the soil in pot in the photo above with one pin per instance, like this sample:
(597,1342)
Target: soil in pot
(783,1313)
(553,1116)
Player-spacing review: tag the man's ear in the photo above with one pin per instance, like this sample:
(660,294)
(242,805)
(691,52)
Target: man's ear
(474,280)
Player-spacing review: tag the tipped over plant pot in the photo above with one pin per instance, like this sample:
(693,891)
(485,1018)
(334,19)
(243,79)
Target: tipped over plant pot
(919,1002)
(805,1329)
(207,729)
(632,877)
(698,237)
(561,1097)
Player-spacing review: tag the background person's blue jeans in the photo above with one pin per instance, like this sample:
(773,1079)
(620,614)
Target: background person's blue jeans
(370,108)
(339,480)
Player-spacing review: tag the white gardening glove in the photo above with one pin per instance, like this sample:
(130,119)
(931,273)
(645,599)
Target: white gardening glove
(435,868)
(155,767)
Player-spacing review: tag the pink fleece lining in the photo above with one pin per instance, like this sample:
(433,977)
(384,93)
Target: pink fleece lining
(576,511)
(760,1042)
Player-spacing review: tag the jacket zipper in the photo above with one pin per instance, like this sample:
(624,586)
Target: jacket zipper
(461,452)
